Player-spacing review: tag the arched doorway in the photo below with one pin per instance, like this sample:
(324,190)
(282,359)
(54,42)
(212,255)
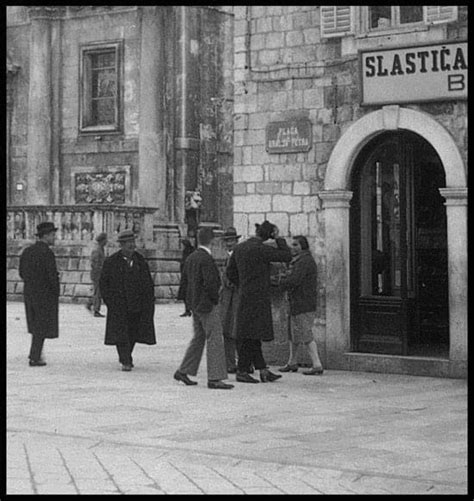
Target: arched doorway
(336,199)
(398,248)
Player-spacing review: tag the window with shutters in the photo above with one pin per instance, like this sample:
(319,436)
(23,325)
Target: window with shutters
(404,17)
(338,21)
(100,88)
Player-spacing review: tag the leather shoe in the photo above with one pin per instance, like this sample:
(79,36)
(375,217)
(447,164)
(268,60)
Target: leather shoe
(37,363)
(179,376)
(313,372)
(186,314)
(126,368)
(232,370)
(268,377)
(243,377)
(98,314)
(289,368)
(219,385)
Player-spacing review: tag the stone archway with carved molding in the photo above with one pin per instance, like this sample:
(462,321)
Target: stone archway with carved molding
(336,202)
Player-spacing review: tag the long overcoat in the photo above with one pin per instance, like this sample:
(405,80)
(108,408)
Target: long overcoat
(41,290)
(228,303)
(249,268)
(118,298)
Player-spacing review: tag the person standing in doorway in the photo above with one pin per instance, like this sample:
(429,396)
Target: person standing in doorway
(97,261)
(249,270)
(301,284)
(228,303)
(41,291)
(127,289)
(201,281)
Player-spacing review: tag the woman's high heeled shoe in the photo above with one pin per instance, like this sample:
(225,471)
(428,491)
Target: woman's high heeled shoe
(289,368)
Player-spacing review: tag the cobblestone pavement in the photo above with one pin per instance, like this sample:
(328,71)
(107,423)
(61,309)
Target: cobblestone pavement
(82,426)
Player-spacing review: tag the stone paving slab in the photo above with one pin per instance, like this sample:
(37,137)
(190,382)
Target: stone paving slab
(82,426)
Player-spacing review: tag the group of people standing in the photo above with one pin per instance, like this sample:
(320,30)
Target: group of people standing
(231,313)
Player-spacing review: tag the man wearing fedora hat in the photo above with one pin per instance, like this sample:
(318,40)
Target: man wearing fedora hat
(127,289)
(228,303)
(41,291)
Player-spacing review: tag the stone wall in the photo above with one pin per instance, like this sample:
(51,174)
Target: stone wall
(284,70)
(73,262)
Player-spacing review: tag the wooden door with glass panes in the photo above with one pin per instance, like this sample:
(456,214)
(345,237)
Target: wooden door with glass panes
(382,266)
(399,275)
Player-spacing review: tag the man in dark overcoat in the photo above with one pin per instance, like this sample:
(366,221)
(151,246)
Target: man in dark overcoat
(41,291)
(249,269)
(127,289)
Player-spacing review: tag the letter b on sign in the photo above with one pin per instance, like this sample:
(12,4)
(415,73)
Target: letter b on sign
(456,82)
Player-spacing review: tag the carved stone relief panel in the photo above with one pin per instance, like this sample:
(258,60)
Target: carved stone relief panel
(109,185)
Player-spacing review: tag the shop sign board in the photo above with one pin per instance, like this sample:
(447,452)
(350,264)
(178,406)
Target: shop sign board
(289,136)
(434,72)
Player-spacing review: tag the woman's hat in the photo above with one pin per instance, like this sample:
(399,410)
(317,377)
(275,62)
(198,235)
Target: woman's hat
(45,228)
(101,237)
(230,233)
(126,235)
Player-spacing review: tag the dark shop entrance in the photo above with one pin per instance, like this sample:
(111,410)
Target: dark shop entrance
(398,248)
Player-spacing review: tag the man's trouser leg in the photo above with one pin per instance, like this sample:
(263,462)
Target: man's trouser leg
(36,347)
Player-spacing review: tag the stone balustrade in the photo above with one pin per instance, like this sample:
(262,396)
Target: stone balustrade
(80,223)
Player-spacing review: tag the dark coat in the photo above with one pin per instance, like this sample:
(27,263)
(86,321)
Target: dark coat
(41,290)
(187,251)
(97,261)
(301,283)
(228,301)
(249,268)
(201,281)
(122,299)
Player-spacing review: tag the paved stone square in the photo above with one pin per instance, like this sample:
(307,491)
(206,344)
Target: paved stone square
(82,426)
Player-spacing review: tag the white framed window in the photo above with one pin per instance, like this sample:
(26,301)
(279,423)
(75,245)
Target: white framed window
(399,18)
(100,84)
(338,21)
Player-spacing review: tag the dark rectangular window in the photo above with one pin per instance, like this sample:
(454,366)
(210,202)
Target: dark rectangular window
(100,85)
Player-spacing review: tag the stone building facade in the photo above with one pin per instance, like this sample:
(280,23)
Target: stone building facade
(299,81)
(118,116)
(346,124)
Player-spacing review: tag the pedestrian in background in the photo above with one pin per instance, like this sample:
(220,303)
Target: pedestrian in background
(201,281)
(127,289)
(228,303)
(301,284)
(188,248)
(249,270)
(97,261)
(41,291)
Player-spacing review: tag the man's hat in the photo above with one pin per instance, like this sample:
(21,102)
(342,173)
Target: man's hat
(230,233)
(45,228)
(126,235)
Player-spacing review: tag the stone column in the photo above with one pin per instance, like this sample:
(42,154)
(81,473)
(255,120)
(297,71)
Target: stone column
(187,140)
(336,204)
(38,187)
(151,139)
(12,71)
(456,215)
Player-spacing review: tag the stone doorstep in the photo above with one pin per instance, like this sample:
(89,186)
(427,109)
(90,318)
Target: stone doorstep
(396,364)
